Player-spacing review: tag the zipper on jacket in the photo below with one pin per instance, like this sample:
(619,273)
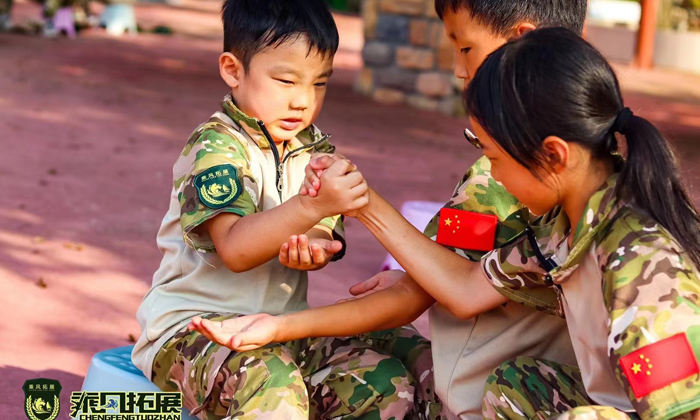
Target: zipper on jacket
(276,154)
(280,163)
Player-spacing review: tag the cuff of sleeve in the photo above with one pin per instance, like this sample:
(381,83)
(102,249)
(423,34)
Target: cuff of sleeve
(674,411)
(549,302)
(201,241)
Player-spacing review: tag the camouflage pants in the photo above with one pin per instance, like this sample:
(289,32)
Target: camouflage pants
(317,378)
(528,388)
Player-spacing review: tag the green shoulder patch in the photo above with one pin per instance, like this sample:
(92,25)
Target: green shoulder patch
(219,186)
(42,399)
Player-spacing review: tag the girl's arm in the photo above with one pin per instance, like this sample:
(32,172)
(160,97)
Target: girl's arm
(456,282)
(396,306)
(393,307)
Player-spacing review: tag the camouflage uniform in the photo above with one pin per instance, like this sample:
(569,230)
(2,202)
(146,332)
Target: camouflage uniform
(315,378)
(624,284)
(230,166)
(468,350)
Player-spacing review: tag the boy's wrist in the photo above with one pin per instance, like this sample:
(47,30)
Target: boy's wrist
(310,209)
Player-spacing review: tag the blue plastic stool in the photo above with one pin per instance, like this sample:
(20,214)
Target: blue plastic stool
(112,370)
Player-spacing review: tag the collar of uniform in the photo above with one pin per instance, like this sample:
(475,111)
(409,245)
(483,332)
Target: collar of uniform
(601,209)
(252,127)
(249,124)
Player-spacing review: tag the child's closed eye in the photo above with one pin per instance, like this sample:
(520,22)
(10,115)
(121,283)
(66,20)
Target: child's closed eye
(285,82)
(466,50)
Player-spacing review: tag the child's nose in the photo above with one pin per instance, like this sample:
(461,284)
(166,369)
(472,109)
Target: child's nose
(301,100)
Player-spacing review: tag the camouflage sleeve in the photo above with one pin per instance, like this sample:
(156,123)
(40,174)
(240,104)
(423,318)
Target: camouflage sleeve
(479,192)
(651,290)
(213,176)
(516,271)
(335,224)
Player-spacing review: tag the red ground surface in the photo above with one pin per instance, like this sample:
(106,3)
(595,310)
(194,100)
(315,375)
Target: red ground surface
(90,129)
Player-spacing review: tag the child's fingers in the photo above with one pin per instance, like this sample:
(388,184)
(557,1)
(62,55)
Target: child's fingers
(205,333)
(284,254)
(311,181)
(304,253)
(194,323)
(353,179)
(304,190)
(324,162)
(317,254)
(360,189)
(312,176)
(215,332)
(293,250)
(360,202)
(339,168)
(333,247)
(310,188)
(363,287)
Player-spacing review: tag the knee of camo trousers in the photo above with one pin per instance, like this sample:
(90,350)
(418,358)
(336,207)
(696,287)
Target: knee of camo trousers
(495,399)
(392,388)
(263,384)
(529,388)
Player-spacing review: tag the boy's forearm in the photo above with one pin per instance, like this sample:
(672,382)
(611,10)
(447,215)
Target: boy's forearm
(454,281)
(396,306)
(256,239)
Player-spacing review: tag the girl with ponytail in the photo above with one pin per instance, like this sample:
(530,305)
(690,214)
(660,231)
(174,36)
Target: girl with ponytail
(618,239)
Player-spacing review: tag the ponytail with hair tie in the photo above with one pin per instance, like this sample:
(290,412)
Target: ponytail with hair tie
(618,140)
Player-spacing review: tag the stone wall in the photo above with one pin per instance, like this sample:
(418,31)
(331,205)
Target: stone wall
(408,58)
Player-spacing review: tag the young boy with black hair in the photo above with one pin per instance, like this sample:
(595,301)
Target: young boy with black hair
(470,337)
(234,203)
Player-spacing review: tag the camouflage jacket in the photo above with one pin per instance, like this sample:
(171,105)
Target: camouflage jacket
(229,166)
(479,192)
(648,291)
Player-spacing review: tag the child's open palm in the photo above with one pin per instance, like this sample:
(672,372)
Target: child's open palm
(239,334)
(308,254)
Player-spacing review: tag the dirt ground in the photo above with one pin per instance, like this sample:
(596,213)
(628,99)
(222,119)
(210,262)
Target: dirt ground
(90,129)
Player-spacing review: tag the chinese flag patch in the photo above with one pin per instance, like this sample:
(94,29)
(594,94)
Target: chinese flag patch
(660,364)
(466,230)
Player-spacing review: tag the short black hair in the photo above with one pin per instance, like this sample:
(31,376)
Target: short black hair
(250,26)
(502,15)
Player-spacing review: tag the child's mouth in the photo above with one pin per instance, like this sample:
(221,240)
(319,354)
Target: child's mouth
(290,124)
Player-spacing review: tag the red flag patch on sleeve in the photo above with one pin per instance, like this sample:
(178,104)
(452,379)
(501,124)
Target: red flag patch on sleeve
(660,364)
(467,230)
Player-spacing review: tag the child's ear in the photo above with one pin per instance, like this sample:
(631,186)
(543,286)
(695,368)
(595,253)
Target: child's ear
(523,28)
(557,152)
(231,69)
